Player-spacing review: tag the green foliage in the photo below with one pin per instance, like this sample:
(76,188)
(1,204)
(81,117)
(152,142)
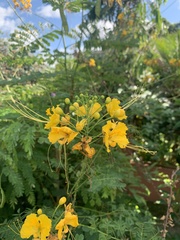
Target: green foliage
(104,190)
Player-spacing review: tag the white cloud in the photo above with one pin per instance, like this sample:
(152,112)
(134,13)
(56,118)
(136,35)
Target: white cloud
(47,11)
(104,27)
(7,23)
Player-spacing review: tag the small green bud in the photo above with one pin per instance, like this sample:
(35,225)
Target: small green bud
(71,108)
(76,104)
(96,115)
(108,100)
(39,211)
(67,101)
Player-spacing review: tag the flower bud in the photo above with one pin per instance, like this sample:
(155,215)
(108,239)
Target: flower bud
(71,108)
(39,211)
(108,100)
(58,110)
(96,115)
(62,201)
(67,100)
(76,105)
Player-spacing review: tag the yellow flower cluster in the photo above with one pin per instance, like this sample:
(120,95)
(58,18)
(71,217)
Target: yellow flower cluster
(83,116)
(174,62)
(152,62)
(39,225)
(22,4)
(92,62)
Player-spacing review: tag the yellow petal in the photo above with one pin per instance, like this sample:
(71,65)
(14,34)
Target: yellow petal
(45,226)
(77,146)
(55,134)
(60,227)
(89,152)
(71,219)
(48,112)
(81,111)
(53,121)
(30,227)
(95,109)
(65,120)
(80,125)
(62,135)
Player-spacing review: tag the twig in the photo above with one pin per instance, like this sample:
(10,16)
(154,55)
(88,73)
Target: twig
(168,221)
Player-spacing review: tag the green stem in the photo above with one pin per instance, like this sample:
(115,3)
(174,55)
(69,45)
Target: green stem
(66,169)
(95,229)
(84,169)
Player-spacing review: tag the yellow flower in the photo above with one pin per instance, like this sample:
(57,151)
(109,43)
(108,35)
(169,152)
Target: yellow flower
(172,61)
(114,110)
(92,62)
(38,227)
(96,108)
(115,133)
(130,22)
(120,16)
(62,135)
(69,219)
(84,147)
(23,4)
(80,125)
(124,33)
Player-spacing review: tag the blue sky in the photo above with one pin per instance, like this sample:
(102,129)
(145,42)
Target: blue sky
(9,20)
(171,11)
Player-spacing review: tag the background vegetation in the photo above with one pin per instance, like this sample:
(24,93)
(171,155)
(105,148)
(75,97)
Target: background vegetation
(136,59)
